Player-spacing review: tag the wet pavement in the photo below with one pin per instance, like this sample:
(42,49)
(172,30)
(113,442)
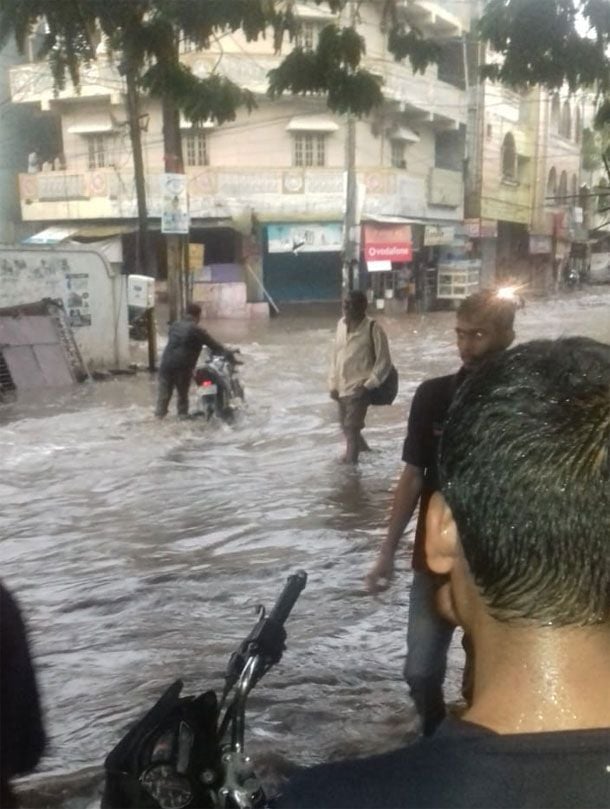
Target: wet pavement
(139,549)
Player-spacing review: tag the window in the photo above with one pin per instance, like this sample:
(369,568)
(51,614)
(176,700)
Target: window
(309,149)
(449,148)
(187,45)
(98,151)
(555,113)
(509,157)
(397,156)
(551,187)
(563,189)
(308,35)
(602,199)
(196,148)
(566,121)
(578,126)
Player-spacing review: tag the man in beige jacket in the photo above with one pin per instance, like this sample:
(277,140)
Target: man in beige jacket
(360,362)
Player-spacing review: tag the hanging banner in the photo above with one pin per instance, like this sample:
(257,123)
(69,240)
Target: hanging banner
(174,200)
(319,238)
(196,256)
(436,235)
(379,266)
(387,243)
(539,245)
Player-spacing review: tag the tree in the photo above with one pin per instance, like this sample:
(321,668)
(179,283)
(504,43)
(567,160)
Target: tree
(148,32)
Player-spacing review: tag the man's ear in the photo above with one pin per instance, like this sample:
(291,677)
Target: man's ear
(442,541)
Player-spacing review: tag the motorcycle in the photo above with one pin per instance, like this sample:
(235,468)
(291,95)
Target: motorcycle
(189,752)
(219,389)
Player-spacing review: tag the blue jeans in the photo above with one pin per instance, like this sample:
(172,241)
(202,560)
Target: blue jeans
(428,639)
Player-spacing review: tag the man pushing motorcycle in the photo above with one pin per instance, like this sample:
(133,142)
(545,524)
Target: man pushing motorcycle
(185,341)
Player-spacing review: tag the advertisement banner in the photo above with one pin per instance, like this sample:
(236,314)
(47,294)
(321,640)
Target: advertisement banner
(387,243)
(196,256)
(437,235)
(379,266)
(326,237)
(174,199)
(481,228)
(540,245)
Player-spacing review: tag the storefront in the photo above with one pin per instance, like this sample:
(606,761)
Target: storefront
(302,261)
(387,255)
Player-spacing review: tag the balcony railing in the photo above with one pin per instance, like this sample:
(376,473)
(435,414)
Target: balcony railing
(230,192)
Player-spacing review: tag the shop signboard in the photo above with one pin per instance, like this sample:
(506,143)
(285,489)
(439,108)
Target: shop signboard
(379,266)
(325,237)
(385,242)
(540,245)
(481,228)
(174,197)
(196,256)
(437,235)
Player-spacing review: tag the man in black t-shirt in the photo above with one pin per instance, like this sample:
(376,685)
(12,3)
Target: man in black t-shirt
(185,340)
(520,528)
(484,328)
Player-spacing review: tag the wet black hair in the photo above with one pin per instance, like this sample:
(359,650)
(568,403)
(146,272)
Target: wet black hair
(358,298)
(524,464)
(193,309)
(487,304)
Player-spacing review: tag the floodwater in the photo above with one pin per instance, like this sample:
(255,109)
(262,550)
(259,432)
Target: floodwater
(139,550)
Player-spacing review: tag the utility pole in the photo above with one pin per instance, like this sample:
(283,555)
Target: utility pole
(172,144)
(143,263)
(351,239)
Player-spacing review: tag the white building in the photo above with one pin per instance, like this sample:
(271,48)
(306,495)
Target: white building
(275,177)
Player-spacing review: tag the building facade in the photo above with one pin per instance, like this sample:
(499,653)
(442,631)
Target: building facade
(522,190)
(267,192)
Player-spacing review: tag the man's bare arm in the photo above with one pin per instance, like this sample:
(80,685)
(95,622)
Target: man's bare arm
(406,498)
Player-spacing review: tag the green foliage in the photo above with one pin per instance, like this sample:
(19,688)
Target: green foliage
(332,69)
(549,42)
(147,32)
(421,52)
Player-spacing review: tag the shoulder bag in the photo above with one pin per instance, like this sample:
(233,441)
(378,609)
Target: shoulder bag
(386,392)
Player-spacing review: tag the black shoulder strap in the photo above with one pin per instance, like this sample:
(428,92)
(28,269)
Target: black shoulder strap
(372,322)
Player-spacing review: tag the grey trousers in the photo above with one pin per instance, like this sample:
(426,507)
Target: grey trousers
(168,380)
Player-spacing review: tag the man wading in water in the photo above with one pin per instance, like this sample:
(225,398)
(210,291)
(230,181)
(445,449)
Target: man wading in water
(360,362)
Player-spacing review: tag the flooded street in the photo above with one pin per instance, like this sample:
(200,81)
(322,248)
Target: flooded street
(139,549)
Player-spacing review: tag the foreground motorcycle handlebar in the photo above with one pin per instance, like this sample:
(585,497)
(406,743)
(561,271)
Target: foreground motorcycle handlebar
(184,752)
(261,650)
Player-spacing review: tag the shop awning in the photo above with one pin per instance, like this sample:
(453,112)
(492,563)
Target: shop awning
(186,124)
(312,123)
(52,235)
(405,134)
(94,124)
(58,234)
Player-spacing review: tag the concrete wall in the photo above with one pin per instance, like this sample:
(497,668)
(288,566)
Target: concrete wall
(95,297)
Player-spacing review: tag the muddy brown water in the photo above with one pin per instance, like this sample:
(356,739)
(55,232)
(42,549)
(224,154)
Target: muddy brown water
(140,550)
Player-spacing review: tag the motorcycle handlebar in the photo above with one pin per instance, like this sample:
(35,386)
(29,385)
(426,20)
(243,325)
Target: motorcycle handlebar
(293,588)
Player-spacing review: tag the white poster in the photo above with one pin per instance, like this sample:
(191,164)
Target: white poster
(314,238)
(175,211)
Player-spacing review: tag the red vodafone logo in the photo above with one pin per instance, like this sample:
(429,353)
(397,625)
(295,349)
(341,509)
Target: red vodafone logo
(397,251)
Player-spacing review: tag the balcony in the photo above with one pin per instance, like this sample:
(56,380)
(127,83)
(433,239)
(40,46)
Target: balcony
(423,97)
(220,193)
(33,83)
